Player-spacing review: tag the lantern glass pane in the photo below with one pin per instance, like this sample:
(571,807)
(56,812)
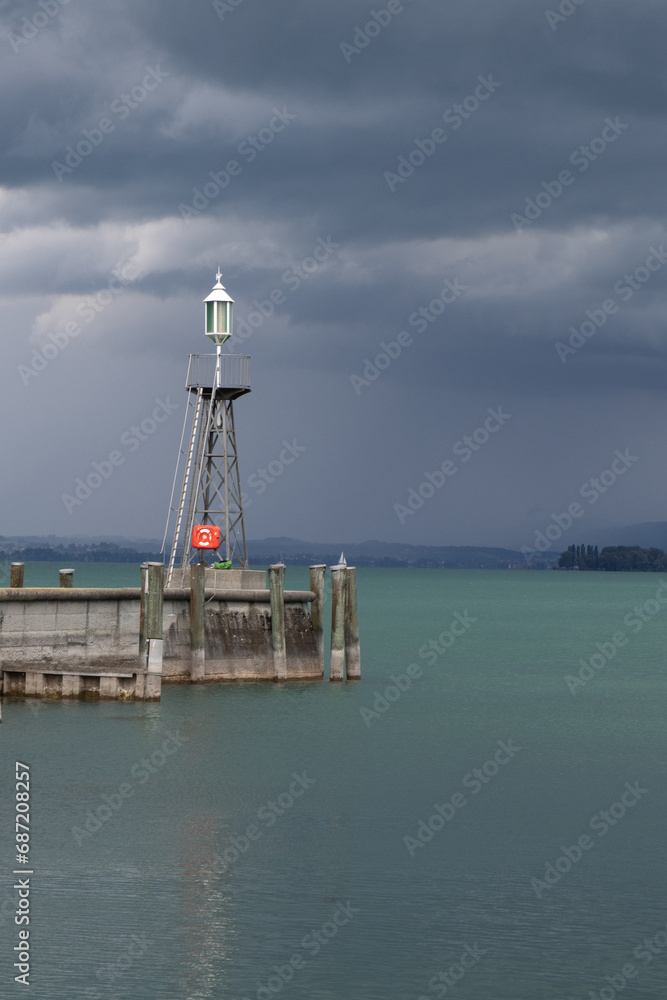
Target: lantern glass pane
(223,316)
(209,317)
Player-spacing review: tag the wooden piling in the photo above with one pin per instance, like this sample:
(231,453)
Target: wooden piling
(352,650)
(154,633)
(277,591)
(338,589)
(143,650)
(16,575)
(66,578)
(197,629)
(317,576)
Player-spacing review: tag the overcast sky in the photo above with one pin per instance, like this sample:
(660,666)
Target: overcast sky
(498,165)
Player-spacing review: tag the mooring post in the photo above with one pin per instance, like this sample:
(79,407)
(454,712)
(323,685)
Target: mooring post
(143,652)
(154,634)
(277,589)
(338,589)
(317,575)
(352,651)
(140,688)
(197,629)
(66,578)
(16,575)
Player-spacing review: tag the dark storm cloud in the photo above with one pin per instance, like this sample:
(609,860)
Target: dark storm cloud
(516,155)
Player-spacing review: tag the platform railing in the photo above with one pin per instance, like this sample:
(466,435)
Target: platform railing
(234,371)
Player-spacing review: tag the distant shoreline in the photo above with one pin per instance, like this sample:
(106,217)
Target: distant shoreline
(418,557)
(371,554)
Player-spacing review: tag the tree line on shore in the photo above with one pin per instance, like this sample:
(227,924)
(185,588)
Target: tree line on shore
(101,552)
(614,558)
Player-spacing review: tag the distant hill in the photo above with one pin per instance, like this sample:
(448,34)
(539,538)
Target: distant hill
(42,551)
(270,550)
(375,553)
(294,552)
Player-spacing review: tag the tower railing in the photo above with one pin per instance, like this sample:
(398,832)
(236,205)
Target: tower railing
(234,371)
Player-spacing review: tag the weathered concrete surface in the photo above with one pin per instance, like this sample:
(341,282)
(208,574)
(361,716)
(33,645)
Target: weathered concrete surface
(69,629)
(40,684)
(223,579)
(57,642)
(238,639)
(67,594)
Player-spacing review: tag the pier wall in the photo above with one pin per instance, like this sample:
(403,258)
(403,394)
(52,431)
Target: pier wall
(237,626)
(84,642)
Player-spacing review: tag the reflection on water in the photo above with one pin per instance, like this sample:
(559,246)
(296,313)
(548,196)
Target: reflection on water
(209,938)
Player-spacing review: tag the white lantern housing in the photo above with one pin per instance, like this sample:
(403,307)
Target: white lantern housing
(218,314)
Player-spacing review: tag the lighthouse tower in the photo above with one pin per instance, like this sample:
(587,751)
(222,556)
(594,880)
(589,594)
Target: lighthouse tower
(207,468)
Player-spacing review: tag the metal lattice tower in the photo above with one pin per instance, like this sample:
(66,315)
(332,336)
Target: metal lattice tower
(208,465)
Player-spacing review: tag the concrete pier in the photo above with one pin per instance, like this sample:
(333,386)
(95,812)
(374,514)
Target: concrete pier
(221,579)
(82,642)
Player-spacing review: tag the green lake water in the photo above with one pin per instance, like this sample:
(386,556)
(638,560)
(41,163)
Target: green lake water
(194,886)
